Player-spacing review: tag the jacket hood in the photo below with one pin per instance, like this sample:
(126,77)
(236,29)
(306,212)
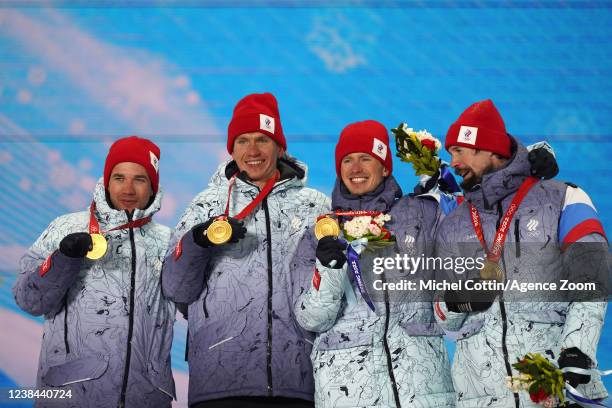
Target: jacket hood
(381,199)
(108,217)
(499,184)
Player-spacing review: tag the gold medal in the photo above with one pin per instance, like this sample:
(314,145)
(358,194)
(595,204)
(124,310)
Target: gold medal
(98,248)
(492,271)
(327,227)
(219,232)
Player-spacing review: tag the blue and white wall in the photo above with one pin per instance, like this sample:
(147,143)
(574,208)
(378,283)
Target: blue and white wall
(72,79)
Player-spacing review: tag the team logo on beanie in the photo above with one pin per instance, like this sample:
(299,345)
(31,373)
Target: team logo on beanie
(379,148)
(467,134)
(266,123)
(154,161)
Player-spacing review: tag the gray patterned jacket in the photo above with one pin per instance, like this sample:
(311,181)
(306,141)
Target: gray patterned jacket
(243,339)
(395,355)
(108,329)
(489,342)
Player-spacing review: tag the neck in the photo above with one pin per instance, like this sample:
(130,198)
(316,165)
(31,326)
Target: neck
(497,163)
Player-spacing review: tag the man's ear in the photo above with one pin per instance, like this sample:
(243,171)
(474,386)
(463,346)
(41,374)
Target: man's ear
(385,172)
(281,151)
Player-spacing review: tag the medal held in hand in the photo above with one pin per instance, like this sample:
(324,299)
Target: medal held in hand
(327,227)
(491,269)
(99,246)
(219,232)
(99,243)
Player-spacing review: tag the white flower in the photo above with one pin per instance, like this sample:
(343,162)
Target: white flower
(381,219)
(515,384)
(358,226)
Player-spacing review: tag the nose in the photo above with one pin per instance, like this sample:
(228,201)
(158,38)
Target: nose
(252,149)
(128,187)
(355,167)
(454,162)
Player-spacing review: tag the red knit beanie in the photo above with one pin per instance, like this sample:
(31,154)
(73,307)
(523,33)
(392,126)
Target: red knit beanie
(369,137)
(256,113)
(480,127)
(137,150)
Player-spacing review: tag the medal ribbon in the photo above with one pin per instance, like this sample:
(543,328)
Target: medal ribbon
(500,236)
(262,194)
(352,256)
(359,213)
(94,226)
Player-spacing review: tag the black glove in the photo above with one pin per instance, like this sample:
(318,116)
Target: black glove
(543,163)
(330,249)
(76,245)
(200,237)
(573,357)
(464,301)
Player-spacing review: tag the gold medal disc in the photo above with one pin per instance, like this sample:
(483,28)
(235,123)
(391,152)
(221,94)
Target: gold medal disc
(99,247)
(327,227)
(492,271)
(219,232)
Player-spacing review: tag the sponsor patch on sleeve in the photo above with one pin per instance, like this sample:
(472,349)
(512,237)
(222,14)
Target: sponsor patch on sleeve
(579,217)
(178,249)
(44,268)
(438,310)
(316,279)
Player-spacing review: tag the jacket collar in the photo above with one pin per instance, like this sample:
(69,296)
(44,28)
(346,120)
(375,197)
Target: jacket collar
(501,183)
(293,173)
(381,199)
(108,217)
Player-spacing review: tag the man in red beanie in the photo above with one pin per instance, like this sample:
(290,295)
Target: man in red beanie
(528,231)
(229,262)
(387,352)
(95,276)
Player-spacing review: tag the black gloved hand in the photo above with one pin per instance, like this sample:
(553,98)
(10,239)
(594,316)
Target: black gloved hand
(76,245)
(573,357)
(330,249)
(543,163)
(200,237)
(464,301)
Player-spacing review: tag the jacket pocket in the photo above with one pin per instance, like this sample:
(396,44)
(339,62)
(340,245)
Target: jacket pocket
(339,341)
(545,316)
(75,371)
(160,376)
(222,334)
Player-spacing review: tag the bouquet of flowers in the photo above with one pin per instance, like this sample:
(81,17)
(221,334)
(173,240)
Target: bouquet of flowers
(371,228)
(419,148)
(540,378)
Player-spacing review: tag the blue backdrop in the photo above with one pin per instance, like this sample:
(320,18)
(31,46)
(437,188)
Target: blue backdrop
(76,75)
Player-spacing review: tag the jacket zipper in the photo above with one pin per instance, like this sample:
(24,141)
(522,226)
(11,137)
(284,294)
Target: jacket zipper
(66,324)
(517,238)
(502,309)
(269,255)
(204,303)
(387,351)
(131,318)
